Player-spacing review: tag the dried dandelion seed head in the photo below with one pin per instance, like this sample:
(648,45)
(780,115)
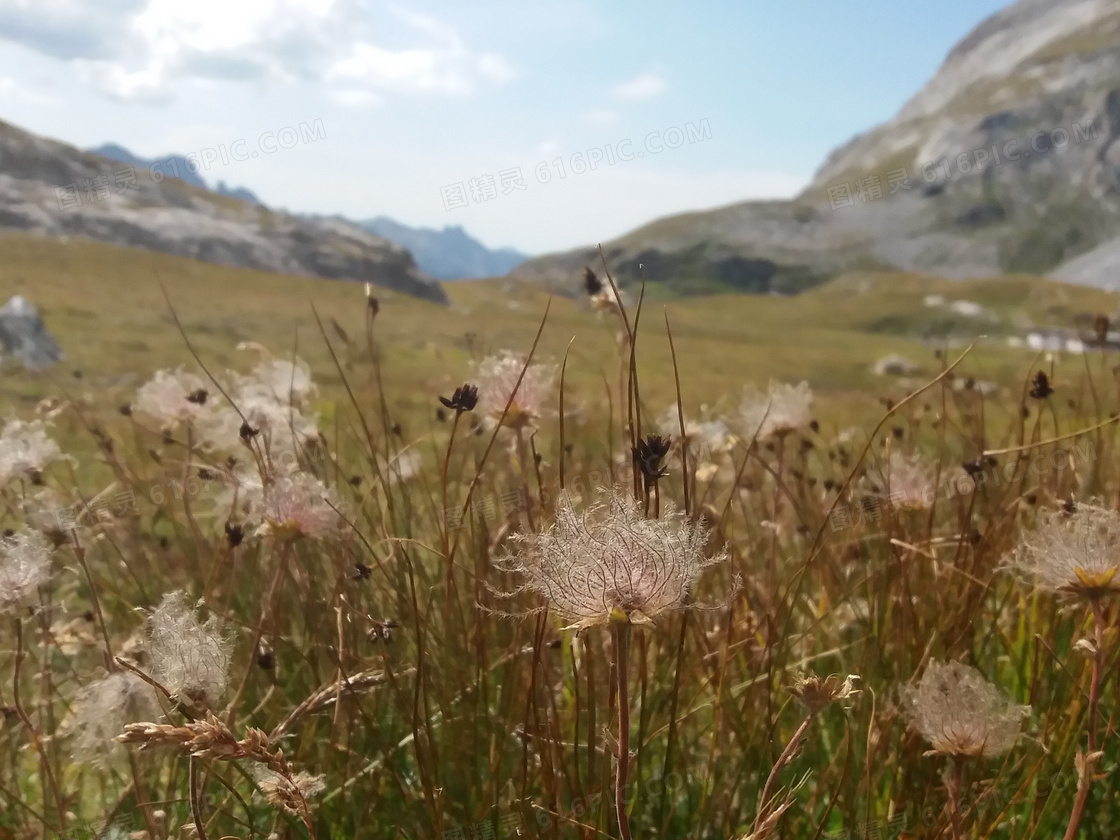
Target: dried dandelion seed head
(781,410)
(284,381)
(25,565)
(289,795)
(817,693)
(497,377)
(907,481)
(282,427)
(189,658)
(102,709)
(705,439)
(25,451)
(172,397)
(961,713)
(298,505)
(609,563)
(1074,553)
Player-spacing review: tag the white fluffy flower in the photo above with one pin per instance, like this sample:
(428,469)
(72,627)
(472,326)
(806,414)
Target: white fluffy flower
(25,565)
(611,563)
(102,709)
(497,380)
(25,450)
(172,397)
(781,410)
(189,658)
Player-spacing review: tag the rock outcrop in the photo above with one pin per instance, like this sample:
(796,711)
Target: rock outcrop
(56,190)
(1008,160)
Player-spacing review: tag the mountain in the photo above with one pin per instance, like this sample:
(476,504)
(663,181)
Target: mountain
(52,189)
(169,164)
(449,254)
(1008,160)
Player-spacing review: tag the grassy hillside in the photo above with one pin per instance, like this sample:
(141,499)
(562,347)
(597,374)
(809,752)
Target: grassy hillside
(110,308)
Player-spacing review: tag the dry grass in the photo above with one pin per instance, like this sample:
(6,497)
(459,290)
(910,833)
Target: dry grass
(401,703)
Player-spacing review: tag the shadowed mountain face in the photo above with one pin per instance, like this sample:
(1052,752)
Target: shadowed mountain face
(1008,160)
(52,189)
(448,254)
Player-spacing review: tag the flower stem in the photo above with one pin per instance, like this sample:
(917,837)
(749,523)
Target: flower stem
(620,638)
(1085,778)
(783,760)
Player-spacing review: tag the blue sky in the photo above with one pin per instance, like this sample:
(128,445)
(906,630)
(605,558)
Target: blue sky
(404,102)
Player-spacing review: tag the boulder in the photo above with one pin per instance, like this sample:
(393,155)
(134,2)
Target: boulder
(24,335)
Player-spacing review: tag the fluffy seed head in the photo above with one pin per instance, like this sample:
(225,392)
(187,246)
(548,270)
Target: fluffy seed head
(103,709)
(289,795)
(1076,553)
(961,713)
(497,379)
(817,693)
(25,450)
(298,505)
(781,410)
(172,397)
(25,565)
(189,658)
(905,481)
(610,563)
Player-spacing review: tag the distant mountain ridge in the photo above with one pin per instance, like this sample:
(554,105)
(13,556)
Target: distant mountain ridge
(1006,161)
(176,166)
(52,189)
(448,254)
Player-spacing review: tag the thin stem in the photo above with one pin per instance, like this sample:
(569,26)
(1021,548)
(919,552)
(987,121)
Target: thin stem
(620,638)
(1085,778)
(783,760)
(196,808)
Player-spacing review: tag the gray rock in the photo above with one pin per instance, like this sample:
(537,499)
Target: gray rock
(24,335)
(51,189)
(896,366)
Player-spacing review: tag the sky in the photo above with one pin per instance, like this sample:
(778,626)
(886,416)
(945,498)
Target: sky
(539,126)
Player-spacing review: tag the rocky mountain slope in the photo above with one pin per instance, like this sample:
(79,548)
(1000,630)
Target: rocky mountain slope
(449,254)
(1008,160)
(52,189)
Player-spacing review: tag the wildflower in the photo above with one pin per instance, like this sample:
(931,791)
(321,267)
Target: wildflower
(25,451)
(905,480)
(591,282)
(25,565)
(961,713)
(189,658)
(783,409)
(1074,550)
(1040,386)
(297,505)
(818,693)
(648,455)
(171,397)
(465,398)
(497,382)
(102,710)
(611,564)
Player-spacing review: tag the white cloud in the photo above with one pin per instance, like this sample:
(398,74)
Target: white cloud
(354,98)
(642,87)
(601,116)
(143,49)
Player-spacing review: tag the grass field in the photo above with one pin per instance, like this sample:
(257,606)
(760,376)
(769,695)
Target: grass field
(368,597)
